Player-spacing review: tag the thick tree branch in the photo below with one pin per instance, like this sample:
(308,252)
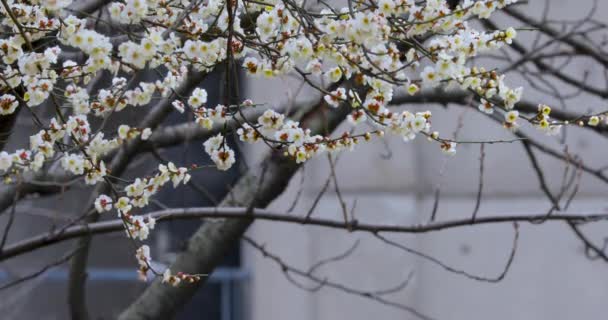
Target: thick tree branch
(6,127)
(82,8)
(213,240)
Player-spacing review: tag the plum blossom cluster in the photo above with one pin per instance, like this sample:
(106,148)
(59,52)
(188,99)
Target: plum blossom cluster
(132,11)
(543,122)
(143,260)
(176,279)
(353,45)
(298,143)
(137,195)
(43,148)
(359,57)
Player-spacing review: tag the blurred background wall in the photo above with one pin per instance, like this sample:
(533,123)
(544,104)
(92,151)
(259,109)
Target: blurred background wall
(550,277)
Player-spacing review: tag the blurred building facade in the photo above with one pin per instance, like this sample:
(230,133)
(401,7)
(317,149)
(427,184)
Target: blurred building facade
(551,276)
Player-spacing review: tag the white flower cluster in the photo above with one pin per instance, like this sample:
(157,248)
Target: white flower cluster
(132,11)
(139,227)
(97,46)
(143,260)
(543,121)
(299,143)
(205,55)
(43,147)
(207,117)
(138,193)
(153,49)
(176,279)
(364,53)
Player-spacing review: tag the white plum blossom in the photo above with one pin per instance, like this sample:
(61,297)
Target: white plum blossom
(213,143)
(224,159)
(146,133)
(246,133)
(123,131)
(412,89)
(94,173)
(335,97)
(103,203)
(132,11)
(593,121)
(170,279)
(73,163)
(449,148)
(386,6)
(6,161)
(138,227)
(143,260)
(429,76)
(334,74)
(511,116)
(178,174)
(356,117)
(220,153)
(198,98)
(252,66)
(486,107)
(123,205)
(271,120)
(8,104)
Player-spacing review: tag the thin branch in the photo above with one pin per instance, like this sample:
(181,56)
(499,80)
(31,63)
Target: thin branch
(336,258)
(328,283)
(241,213)
(482,155)
(334,177)
(448,268)
(541,176)
(545,28)
(589,246)
(38,273)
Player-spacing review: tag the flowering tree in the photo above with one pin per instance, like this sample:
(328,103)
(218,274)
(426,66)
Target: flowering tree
(74,67)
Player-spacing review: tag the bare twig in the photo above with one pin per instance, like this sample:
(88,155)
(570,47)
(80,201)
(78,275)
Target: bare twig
(448,268)
(328,283)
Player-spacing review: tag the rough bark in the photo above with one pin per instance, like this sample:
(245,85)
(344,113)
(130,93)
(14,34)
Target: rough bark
(6,127)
